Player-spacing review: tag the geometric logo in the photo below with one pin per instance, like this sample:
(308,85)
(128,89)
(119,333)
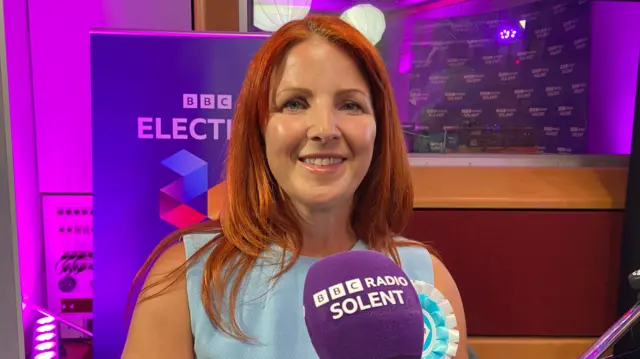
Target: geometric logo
(175,196)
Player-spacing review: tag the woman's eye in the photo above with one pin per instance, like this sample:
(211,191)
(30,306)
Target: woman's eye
(295,105)
(352,106)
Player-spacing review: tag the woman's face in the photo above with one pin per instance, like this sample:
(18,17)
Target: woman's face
(321,131)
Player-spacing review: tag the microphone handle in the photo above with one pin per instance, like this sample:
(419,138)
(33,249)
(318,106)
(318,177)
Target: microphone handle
(614,333)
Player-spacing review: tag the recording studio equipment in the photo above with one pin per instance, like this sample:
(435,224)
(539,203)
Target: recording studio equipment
(68,234)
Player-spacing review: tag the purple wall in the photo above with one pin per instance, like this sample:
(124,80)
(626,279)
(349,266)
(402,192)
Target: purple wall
(59,38)
(338,6)
(394,48)
(48,88)
(23,138)
(615,51)
(11,327)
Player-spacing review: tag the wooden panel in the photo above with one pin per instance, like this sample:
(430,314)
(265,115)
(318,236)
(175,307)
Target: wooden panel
(529,273)
(519,187)
(510,188)
(216,15)
(530,348)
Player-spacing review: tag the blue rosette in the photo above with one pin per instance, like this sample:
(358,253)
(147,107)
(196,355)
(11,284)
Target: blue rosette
(440,334)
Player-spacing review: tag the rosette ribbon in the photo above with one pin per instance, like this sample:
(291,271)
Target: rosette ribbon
(440,334)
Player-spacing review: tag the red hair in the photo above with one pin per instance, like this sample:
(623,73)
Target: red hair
(256,212)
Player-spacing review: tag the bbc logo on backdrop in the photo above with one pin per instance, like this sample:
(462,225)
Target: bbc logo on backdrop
(207,101)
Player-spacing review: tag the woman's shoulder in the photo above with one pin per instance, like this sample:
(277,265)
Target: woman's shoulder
(151,322)
(415,259)
(193,242)
(420,264)
(412,249)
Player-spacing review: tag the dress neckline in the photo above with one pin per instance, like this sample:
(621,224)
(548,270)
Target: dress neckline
(275,250)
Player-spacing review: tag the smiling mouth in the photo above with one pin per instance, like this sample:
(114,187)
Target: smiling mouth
(322,161)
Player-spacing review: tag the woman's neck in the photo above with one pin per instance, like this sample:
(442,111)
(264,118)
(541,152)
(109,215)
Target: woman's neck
(326,232)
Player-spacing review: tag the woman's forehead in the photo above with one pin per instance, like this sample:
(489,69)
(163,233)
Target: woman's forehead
(318,64)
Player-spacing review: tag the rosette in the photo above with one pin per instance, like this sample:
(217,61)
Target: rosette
(440,334)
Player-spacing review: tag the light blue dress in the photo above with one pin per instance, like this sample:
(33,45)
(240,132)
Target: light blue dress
(272,317)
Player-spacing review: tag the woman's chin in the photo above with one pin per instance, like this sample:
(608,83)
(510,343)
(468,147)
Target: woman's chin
(324,199)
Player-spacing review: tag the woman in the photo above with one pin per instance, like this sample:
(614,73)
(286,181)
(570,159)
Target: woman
(316,165)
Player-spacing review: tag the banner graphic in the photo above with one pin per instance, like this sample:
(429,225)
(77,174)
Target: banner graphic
(162,109)
(508,81)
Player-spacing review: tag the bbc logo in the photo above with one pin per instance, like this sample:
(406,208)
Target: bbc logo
(207,101)
(337,291)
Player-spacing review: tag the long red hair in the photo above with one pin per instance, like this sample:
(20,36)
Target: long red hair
(256,213)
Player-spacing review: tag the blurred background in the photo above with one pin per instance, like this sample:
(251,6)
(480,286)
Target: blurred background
(518,115)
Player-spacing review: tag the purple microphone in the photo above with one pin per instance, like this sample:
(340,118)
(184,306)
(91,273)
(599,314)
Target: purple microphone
(361,305)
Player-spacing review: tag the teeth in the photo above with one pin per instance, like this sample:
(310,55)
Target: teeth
(322,161)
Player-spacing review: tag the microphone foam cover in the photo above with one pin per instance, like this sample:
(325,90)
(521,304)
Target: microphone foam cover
(361,305)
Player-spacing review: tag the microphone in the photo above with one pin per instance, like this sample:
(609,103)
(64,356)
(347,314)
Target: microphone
(361,305)
(621,327)
(634,281)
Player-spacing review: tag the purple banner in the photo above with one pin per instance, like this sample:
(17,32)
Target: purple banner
(162,107)
(509,81)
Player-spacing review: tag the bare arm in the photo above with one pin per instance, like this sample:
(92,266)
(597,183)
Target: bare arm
(445,284)
(160,327)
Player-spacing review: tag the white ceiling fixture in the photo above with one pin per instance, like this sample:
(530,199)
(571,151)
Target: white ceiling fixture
(270,15)
(368,19)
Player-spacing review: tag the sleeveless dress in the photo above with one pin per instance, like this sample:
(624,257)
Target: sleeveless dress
(272,317)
